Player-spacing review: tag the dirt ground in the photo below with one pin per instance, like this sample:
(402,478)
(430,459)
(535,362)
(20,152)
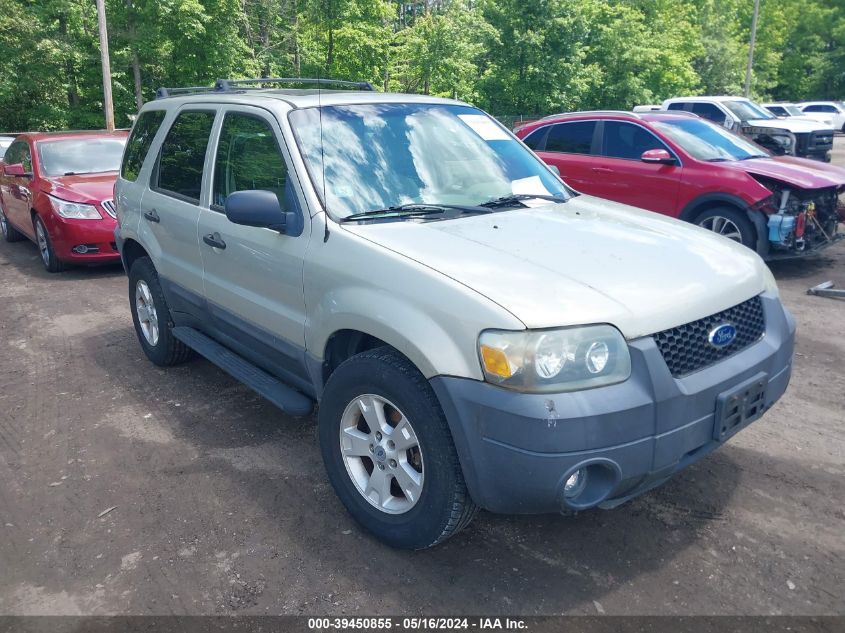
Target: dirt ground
(127,489)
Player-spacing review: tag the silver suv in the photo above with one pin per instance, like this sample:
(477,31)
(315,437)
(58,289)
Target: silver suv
(477,334)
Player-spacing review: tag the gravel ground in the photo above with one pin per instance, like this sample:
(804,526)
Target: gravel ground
(127,489)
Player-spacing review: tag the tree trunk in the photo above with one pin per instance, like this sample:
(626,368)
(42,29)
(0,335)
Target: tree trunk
(297,62)
(136,75)
(330,53)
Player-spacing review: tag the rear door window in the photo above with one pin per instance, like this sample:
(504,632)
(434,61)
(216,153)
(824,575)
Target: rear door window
(248,157)
(709,111)
(628,141)
(571,138)
(139,143)
(182,156)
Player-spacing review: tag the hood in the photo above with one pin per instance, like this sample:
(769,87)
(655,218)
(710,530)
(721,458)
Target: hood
(83,187)
(798,172)
(796,126)
(584,261)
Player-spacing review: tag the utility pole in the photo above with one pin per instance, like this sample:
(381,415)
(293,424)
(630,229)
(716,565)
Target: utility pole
(104,58)
(747,90)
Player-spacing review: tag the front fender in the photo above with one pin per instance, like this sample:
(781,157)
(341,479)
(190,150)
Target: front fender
(425,342)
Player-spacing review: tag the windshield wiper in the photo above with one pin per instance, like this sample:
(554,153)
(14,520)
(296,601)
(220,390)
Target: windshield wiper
(414,209)
(509,201)
(750,156)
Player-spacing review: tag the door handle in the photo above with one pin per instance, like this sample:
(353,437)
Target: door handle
(602,170)
(214,239)
(152,216)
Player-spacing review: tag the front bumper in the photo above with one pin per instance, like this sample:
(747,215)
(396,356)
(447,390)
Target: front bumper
(517,450)
(97,236)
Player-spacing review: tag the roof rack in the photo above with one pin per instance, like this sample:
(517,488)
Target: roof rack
(163,93)
(227,85)
(233,85)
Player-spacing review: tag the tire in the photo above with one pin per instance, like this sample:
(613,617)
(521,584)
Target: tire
(386,379)
(151,316)
(45,247)
(10,233)
(731,223)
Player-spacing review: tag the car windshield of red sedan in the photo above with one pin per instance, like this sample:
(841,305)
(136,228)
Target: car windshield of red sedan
(80,156)
(705,141)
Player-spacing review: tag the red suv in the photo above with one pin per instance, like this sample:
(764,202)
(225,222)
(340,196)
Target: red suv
(57,189)
(683,166)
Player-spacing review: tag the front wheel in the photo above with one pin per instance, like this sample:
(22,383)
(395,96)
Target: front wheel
(48,254)
(730,223)
(389,453)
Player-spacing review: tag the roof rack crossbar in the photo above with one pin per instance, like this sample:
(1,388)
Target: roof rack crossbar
(227,85)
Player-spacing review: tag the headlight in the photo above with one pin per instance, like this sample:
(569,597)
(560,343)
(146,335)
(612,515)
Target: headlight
(548,361)
(75,210)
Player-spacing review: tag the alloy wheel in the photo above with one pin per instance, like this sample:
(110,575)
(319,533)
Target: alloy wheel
(4,226)
(146,311)
(382,454)
(723,226)
(43,245)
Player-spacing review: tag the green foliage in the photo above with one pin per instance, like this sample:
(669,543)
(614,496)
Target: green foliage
(525,57)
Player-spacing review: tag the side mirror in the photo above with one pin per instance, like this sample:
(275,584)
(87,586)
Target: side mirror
(15,170)
(659,156)
(257,208)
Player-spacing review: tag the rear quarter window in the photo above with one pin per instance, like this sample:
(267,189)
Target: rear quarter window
(139,143)
(536,140)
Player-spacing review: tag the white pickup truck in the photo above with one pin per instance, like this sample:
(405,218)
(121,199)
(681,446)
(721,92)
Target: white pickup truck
(795,137)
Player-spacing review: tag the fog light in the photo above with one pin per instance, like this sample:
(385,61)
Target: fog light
(81,249)
(575,483)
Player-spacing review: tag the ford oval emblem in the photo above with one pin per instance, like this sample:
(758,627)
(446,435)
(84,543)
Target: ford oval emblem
(722,335)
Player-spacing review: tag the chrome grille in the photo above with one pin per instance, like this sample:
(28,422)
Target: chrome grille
(687,349)
(108,205)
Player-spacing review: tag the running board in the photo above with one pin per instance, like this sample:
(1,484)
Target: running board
(277,392)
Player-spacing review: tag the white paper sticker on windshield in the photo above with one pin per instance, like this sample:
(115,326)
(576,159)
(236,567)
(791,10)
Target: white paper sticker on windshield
(484,127)
(531,186)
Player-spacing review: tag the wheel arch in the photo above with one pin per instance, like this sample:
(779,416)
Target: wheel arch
(707,201)
(333,336)
(713,200)
(130,253)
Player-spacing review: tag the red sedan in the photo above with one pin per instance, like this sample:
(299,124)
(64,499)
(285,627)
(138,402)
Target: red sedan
(57,189)
(686,167)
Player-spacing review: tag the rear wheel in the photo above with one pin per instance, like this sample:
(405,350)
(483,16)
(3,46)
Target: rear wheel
(730,223)
(151,316)
(389,453)
(45,247)
(10,234)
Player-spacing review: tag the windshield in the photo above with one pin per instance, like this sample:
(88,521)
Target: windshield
(80,156)
(378,156)
(706,141)
(748,110)
(4,145)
